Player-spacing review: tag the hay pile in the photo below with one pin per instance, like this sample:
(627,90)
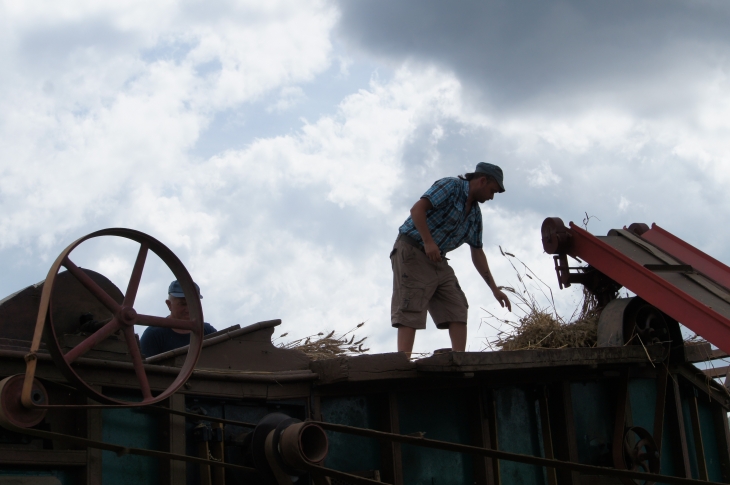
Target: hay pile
(321,346)
(540,326)
(541,330)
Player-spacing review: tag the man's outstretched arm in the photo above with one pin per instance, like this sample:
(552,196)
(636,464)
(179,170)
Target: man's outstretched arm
(480,263)
(418,214)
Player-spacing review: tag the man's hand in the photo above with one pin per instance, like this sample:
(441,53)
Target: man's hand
(502,299)
(418,214)
(432,251)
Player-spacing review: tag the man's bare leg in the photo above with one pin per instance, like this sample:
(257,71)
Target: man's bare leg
(457,332)
(406,337)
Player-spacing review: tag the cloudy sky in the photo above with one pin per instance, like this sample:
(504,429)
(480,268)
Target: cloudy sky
(276,146)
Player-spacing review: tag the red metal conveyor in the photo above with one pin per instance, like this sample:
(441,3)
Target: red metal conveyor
(665,271)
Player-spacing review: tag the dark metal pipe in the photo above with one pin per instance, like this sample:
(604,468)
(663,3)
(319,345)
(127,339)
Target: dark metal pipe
(503,455)
(123,450)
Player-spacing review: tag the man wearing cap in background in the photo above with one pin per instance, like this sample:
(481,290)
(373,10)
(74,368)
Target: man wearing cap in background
(444,218)
(156,340)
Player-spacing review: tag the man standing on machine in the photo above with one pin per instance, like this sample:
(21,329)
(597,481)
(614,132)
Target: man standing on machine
(443,219)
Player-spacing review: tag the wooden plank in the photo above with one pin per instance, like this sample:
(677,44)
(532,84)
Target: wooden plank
(539,358)
(218,453)
(621,420)
(719,354)
(93,432)
(723,439)
(570,427)
(204,452)
(176,443)
(360,368)
(43,458)
(558,426)
(492,420)
(660,406)
(701,383)
(547,436)
(479,417)
(391,451)
(715,372)
(694,415)
(394,365)
(315,409)
(683,462)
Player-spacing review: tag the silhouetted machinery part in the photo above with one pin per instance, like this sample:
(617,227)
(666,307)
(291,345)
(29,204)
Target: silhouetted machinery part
(123,318)
(282,448)
(12,411)
(632,321)
(640,453)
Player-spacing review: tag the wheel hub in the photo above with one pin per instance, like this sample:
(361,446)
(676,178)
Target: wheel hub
(128,315)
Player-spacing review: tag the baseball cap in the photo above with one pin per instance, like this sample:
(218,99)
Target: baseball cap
(492,170)
(176,290)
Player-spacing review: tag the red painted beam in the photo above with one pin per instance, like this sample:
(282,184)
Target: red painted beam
(688,254)
(655,290)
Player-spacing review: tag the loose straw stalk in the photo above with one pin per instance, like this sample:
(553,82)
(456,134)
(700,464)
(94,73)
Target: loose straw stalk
(321,346)
(541,326)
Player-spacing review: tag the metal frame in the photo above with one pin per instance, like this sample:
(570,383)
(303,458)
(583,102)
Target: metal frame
(579,243)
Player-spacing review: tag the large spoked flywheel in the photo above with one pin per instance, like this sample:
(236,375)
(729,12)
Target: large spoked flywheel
(124,317)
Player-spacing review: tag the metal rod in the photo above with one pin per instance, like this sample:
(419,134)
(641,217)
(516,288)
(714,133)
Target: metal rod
(199,417)
(345,477)
(517,457)
(123,450)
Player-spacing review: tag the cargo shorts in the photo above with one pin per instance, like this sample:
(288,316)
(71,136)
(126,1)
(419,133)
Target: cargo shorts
(421,285)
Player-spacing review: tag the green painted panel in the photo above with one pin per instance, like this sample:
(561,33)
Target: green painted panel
(642,398)
(133,428)
(442,415)
(709,441)
(594,414)
(348,452)
(519,431)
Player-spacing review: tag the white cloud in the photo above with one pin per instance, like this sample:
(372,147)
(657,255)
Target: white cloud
(101,132)
(623,204)
(107,118)
(542,175)
(289,97)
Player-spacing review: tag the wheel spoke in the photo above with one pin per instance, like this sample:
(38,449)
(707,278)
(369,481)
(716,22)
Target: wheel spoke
(166,322)
(133,285)
(137,362)
(96,290)
(92,340)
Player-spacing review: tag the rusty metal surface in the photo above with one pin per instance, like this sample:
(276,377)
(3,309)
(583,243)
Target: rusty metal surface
(18,312)
(693,300)
(214,340)
(12,411)
(611,323)
(688,254)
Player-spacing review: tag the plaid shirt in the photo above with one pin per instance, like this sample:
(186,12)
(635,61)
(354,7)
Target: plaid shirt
(448,224)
